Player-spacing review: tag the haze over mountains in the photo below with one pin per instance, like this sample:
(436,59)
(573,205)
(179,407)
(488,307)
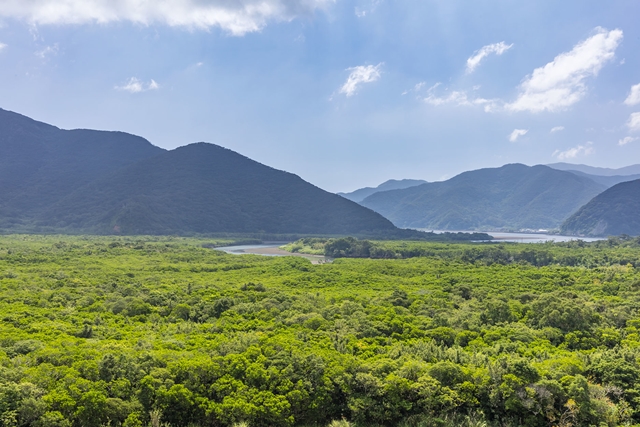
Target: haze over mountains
(514,196)
(112,182)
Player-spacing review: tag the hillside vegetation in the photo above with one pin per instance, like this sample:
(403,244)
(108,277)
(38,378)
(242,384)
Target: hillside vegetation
(54,180)
(161,331)
(615,211)
(511,197)
(40,164)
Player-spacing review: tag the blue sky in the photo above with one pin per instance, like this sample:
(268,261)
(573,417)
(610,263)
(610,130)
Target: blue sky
(344,93)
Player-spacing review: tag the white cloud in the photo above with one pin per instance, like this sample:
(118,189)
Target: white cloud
(634,95)
(2,46)
(517,133)
(626,140)
(556,129)
(571,153)
(238,17)
(560,83)
(135,86)
(359,75)
(479,55)
(634,122)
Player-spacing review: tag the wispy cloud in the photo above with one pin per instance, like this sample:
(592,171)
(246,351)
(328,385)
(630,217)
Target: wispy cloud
(480,54)
(48,51)
(634,122)
(135,86)
(2,46)
(458,98)
(572,153)
(561,83)
(238,17)
(626,140)
(556,129)
(517,133)
(418,87)
(361,12)
(359,75)
(634,95)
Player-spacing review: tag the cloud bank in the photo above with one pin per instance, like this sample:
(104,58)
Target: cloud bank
(359,75)
(238,17)
(561,83)
(634,95)
(479,55)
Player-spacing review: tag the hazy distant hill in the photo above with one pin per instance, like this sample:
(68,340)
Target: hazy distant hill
(514,196)
(204,188)
(607,181)
(627,170)
(392,184)
(615,211)
(39,163)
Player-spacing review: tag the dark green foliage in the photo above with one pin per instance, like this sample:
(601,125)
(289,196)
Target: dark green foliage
(134,332)
(40,164)
(514,196)
(53,180)
(616,211)
(203,188)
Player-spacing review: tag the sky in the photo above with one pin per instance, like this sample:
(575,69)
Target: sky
(344,93)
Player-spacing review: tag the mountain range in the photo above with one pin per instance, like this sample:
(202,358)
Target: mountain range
(592,170)
(514,196)
(85,181)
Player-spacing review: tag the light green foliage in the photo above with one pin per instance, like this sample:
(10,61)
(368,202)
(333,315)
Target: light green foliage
(164,332)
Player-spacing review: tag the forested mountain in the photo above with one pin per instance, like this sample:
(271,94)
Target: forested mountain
(204,188)
(613,212)
(592,170)
(514,196)
(392,184)
(58,180)
(40,164)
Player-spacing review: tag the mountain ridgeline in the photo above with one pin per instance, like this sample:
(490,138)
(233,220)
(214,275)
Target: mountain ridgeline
(84,181)
(514,196)
(392,184)
(613,212)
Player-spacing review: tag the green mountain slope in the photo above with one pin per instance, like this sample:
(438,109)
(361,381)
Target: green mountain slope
(40,164)
(392,184)
(514,196)
(615,211)
(204,188)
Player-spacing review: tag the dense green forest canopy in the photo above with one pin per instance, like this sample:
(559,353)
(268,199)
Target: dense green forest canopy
(157,331)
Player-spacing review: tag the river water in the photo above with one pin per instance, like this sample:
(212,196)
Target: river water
(272,248)
(524,237)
